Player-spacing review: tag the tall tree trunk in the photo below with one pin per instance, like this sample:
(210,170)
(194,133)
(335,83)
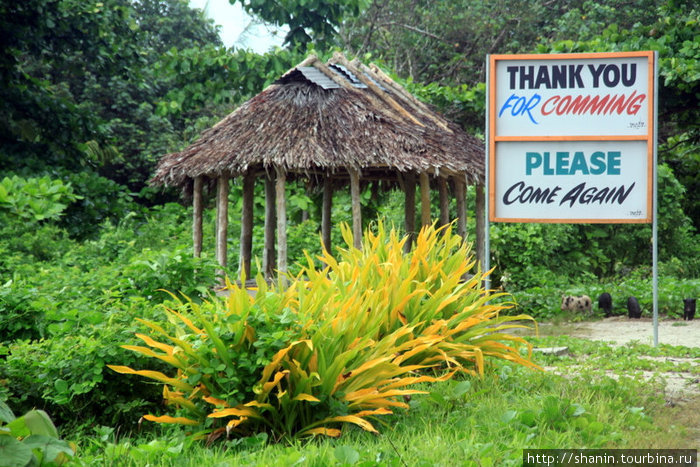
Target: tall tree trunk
(410,209)
(222,188)
(326,212)
(269,251)
(424,199)
(246,246)
(281,203)
(356,208)
(197,209)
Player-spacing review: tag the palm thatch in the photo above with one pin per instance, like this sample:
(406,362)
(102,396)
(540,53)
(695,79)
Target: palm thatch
(325,119)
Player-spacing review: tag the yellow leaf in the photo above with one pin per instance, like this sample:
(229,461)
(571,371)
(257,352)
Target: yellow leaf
(169,419)
(215,401)
(157,375)
(155,344)
(182,402)
(379,411)
(150,353)
(356,398)
(306,397)
(332,432)
(264,405)
(274,363)
(361,422)
(234,423)
(239,411)
(267,387)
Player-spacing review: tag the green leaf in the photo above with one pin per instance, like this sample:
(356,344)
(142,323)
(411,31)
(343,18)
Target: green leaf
(49,446)
(346,455)
(39,423)
(13,453)
(508,416)
(6,414)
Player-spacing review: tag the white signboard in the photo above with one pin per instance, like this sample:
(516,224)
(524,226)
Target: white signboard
(571,137)
(594,180)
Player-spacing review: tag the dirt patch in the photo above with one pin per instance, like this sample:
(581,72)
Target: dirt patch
(682,388)
(621,330)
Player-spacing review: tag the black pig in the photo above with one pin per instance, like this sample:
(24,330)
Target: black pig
(688,309)
(633,309)
(605,303)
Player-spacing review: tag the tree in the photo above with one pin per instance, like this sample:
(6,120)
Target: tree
(308,20)
(78,83)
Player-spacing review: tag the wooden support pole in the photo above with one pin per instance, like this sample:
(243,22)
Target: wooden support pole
(326,212)
(356,208)
(281,203)
(461,195)
(269,249)
(410,209)
(197,207)
(480,223)
(246,246)
(424,199)
(222,189)
(444,201)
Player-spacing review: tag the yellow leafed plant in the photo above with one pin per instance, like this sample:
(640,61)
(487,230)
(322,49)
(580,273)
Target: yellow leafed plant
(358,335)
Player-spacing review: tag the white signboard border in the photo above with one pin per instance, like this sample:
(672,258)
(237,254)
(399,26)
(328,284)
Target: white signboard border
(493,138)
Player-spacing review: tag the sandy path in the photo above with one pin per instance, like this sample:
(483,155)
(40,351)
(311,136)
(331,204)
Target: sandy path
(620,330)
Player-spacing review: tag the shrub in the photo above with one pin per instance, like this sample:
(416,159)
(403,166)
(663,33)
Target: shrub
(173,269)
(34,199)
(66,374)
(100,199)
(21,314)
(353,337)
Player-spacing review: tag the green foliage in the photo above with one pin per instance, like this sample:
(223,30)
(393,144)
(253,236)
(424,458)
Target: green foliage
(31,439)
(80,85)
(34,199)
(308,21)
(428,41)
(68,309)
(173,269)
(99,199)
(21,314)
(67,374)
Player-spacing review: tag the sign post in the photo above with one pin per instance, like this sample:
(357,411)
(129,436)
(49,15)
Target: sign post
(571,139)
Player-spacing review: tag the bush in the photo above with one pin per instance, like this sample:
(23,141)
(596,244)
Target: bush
(21,313)
(34,199)
(175,269)
(353,337)
(67,375)
(100,199)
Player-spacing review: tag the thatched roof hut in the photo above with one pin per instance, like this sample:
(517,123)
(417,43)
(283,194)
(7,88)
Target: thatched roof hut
(328,122)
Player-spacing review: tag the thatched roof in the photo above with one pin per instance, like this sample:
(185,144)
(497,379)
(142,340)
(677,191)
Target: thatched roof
(326,118)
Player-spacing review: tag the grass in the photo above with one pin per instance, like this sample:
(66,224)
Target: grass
(470,422)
